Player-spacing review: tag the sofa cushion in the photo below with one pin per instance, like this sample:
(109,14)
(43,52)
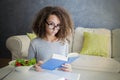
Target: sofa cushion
(78,37)
(96,63)
(95,44)
(31,36)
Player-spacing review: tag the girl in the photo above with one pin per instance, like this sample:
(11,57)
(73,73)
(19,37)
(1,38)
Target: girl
(52,26)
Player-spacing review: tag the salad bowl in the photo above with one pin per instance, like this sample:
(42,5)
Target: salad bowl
(22,65)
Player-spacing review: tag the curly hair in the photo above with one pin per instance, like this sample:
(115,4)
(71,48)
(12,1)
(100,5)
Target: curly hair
(66,28)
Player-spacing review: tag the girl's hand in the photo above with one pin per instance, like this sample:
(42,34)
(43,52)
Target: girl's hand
(66,67)
(37,66)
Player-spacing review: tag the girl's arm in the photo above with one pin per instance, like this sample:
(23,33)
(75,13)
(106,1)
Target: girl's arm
(31,52)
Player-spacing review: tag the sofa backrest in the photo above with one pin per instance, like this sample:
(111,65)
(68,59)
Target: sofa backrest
(78,37)
(116,43)
(18,45)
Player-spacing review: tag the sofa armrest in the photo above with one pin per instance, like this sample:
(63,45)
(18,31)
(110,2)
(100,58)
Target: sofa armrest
(116,44)
(18,46)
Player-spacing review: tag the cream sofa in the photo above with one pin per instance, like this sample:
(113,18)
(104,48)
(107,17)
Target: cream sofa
(18,46)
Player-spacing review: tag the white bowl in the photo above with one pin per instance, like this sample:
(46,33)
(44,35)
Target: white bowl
(20,68)
(23,68)
(12,63)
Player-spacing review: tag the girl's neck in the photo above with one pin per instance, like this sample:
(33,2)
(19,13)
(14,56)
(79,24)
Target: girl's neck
(51,38)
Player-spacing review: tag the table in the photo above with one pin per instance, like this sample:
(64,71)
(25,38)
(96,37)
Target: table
(97,75)
(33,75)
(84,74)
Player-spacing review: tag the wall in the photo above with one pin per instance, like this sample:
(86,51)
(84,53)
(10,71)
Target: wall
(16,16)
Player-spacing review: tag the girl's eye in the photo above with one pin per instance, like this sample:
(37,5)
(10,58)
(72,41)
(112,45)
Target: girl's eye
(51,24)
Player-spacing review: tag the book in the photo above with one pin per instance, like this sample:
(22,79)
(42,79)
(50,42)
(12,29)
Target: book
(56,61)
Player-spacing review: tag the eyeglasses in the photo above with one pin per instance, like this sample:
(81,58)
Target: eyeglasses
(52,25)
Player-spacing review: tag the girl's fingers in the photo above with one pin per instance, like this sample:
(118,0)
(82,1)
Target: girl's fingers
(66,67)
(39,63)
(38,69)
(37,66)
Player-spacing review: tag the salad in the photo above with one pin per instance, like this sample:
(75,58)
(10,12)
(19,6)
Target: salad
(23,62)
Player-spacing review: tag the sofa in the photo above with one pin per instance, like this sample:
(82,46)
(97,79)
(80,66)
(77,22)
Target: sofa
(19,44)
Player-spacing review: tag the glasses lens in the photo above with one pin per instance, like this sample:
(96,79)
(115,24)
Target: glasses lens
(57,27)
(51,26)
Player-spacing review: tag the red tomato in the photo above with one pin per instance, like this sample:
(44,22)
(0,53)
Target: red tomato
(17,64)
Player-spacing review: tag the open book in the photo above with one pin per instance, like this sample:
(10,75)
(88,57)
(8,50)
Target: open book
(56,61)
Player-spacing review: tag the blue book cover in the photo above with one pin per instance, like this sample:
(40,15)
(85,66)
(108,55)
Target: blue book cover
(56,61)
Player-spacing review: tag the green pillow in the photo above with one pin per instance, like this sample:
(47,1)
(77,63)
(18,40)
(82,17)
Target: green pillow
(31,35)
(95,44)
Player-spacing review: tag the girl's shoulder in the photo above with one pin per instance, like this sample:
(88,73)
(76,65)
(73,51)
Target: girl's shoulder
(36,40)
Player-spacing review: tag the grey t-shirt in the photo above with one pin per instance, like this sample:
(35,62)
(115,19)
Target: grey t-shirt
(43,50)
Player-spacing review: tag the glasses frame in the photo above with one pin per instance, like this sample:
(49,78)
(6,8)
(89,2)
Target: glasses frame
(52,25)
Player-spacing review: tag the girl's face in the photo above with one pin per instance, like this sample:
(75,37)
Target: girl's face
(52,25)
